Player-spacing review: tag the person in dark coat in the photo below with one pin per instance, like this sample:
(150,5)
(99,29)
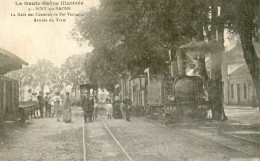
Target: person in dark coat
(117,114)
(88,107)
(128,108)
(40,100)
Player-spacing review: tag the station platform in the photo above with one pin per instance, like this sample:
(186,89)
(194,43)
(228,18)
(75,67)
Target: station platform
(242,114)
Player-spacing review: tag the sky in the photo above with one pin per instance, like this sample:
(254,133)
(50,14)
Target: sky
(39,40)
(32,40)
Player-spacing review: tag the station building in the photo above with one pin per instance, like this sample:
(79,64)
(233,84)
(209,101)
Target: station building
(238,84)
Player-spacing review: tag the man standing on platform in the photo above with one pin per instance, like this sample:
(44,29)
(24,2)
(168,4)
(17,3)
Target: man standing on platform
(128,107)
(88,107)
(117,113)
(40,100)
(91,109)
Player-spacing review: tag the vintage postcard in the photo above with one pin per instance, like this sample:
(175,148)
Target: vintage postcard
(137,80)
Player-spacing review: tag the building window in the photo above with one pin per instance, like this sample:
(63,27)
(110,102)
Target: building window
(232,91)
(245,91)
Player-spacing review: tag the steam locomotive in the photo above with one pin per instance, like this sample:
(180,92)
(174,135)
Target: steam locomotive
(170,98)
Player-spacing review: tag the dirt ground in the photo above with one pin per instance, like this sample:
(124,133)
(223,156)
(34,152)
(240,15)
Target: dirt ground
(44,140)
(146,140)
(141,139)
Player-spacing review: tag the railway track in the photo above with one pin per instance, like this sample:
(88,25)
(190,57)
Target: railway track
(112,135)
(239,137)
(250,149)
(121,150)
(228,134)
(231,145)
(84,143)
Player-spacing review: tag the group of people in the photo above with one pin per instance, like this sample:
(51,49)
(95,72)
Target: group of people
(115,109)
(90,108)
(56,106)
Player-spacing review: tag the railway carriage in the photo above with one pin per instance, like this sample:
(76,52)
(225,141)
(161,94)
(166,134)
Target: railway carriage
(9,98)
(9,88)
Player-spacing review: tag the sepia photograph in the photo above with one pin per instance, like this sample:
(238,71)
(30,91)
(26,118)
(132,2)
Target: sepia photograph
(130,80)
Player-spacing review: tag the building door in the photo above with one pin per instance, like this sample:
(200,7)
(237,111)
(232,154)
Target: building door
(238,93)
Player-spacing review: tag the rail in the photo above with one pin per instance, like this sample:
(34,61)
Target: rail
(187,133)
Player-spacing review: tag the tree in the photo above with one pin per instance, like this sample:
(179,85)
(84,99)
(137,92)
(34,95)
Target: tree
(239,17)
(137,35)
(73,71)
(248,28)
(242,18)
(40,74)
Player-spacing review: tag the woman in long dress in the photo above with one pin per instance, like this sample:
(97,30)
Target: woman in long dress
(95,115)
(57,105)
(109,109)
(67,109)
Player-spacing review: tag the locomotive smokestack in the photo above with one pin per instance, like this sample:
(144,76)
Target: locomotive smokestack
(180,61)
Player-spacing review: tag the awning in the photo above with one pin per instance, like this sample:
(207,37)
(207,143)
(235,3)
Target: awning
(10,62)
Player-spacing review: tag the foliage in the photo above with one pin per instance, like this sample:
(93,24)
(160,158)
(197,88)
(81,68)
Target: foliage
(73,70)
(131,36)
(40,74)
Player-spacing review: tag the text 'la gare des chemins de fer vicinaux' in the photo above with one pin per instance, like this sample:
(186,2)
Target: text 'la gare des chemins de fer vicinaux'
(37,8)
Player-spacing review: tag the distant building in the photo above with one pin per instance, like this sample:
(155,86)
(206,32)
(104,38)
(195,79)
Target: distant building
(238,84)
